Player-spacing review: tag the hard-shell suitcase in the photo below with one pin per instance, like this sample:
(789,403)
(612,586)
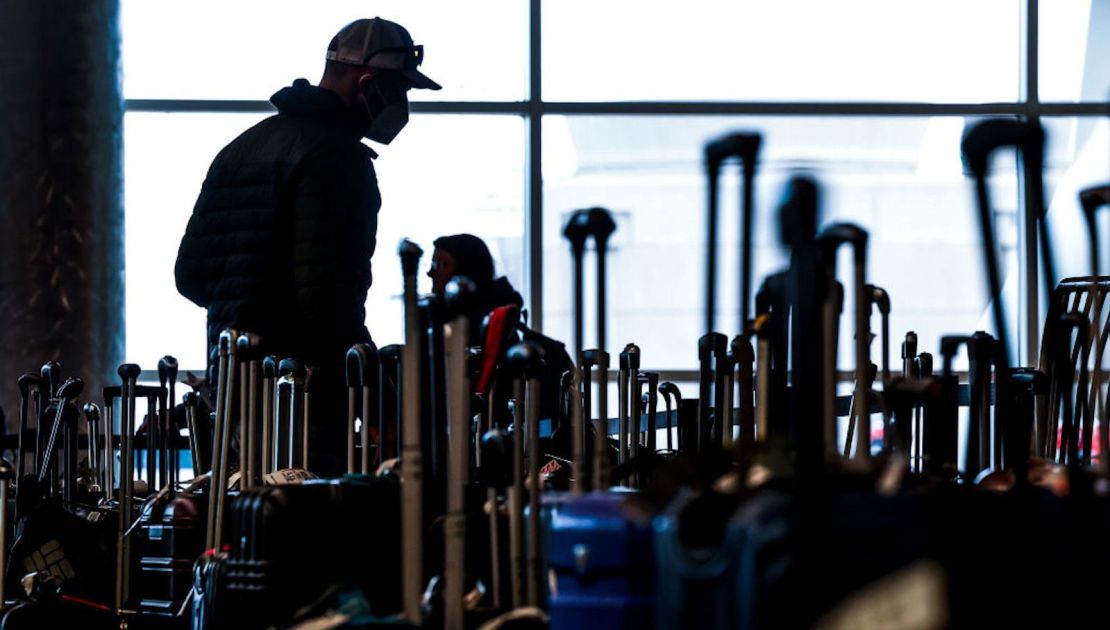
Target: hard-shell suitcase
(717,579)
(171,537)
(603,565)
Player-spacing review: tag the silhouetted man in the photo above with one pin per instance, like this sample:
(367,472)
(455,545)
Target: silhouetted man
(281,237)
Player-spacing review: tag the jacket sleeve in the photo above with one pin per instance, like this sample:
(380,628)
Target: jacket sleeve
(190,270)
(335,206)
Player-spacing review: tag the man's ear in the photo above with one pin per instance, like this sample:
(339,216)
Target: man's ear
(365,78)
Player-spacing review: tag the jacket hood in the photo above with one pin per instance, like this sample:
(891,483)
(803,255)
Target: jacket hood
(501,293)
(304,99)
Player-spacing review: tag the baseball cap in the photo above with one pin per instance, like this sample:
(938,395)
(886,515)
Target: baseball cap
(379,43)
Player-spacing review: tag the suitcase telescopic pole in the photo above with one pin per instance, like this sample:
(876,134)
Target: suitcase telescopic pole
(600,358)
(1091,200)
(129,375)
(412,464)
(527,362)
(744,146)
(219,487)
(459,292)
(830,240)
(167,378)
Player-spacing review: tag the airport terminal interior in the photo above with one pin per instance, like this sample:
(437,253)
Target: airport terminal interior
(716,314)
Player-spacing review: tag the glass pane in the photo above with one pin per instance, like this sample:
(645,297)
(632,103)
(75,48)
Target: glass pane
(1077,157)
(944,51)
(899,178)
(165,159)
(248,49)
(446,175)
(429,187)
(1074,50)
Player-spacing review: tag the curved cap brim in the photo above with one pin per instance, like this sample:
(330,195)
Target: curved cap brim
(420,80)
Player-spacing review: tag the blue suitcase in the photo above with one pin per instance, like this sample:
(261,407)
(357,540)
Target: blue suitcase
(717,579)
(603,565)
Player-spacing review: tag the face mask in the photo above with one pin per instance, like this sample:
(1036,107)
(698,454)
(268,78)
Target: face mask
(387,109)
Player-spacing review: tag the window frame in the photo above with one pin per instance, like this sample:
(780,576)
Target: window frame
(534,108)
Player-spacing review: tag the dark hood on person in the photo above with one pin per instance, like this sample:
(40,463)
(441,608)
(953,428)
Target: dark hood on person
(472,257)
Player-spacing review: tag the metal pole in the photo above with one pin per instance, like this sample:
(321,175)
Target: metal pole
(534,167)
(711,252)
(412,490)
(458,423)
(516,498)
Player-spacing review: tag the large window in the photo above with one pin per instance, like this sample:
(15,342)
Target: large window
(869,96)
(788,50)
(445,174)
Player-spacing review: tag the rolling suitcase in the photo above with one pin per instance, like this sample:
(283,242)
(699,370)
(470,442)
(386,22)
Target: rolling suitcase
(288,544)
(719,579)
(603,565)
(598,550)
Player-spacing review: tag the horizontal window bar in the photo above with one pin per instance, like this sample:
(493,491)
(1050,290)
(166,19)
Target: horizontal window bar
(772,108)
(769,108)
(219,106)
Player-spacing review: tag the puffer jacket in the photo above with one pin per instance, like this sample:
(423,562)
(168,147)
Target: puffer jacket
(282,232)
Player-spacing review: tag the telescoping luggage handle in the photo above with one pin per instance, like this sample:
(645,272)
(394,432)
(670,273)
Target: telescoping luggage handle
(390,376)
(92,422)
(744,146)
(457,297)
(167,379)
(50,378)
(155,397)
(526,360)
(225,393)
(269,429)
(743,358)
(189,400)
(600,468)
(880,299)
(412,460)
(65,419)
(669,391)
(598,224)
(923,368)
(362,371)
(1091,200)
(940,435)
(830,240)
(629,367)
(292,407)
(129,376)
(249,350)
(711,355)
(977,146)
(1077,418)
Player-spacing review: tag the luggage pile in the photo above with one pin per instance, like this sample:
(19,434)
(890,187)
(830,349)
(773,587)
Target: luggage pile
(473,498)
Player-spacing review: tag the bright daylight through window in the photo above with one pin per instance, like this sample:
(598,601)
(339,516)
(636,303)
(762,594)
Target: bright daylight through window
(870,96)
